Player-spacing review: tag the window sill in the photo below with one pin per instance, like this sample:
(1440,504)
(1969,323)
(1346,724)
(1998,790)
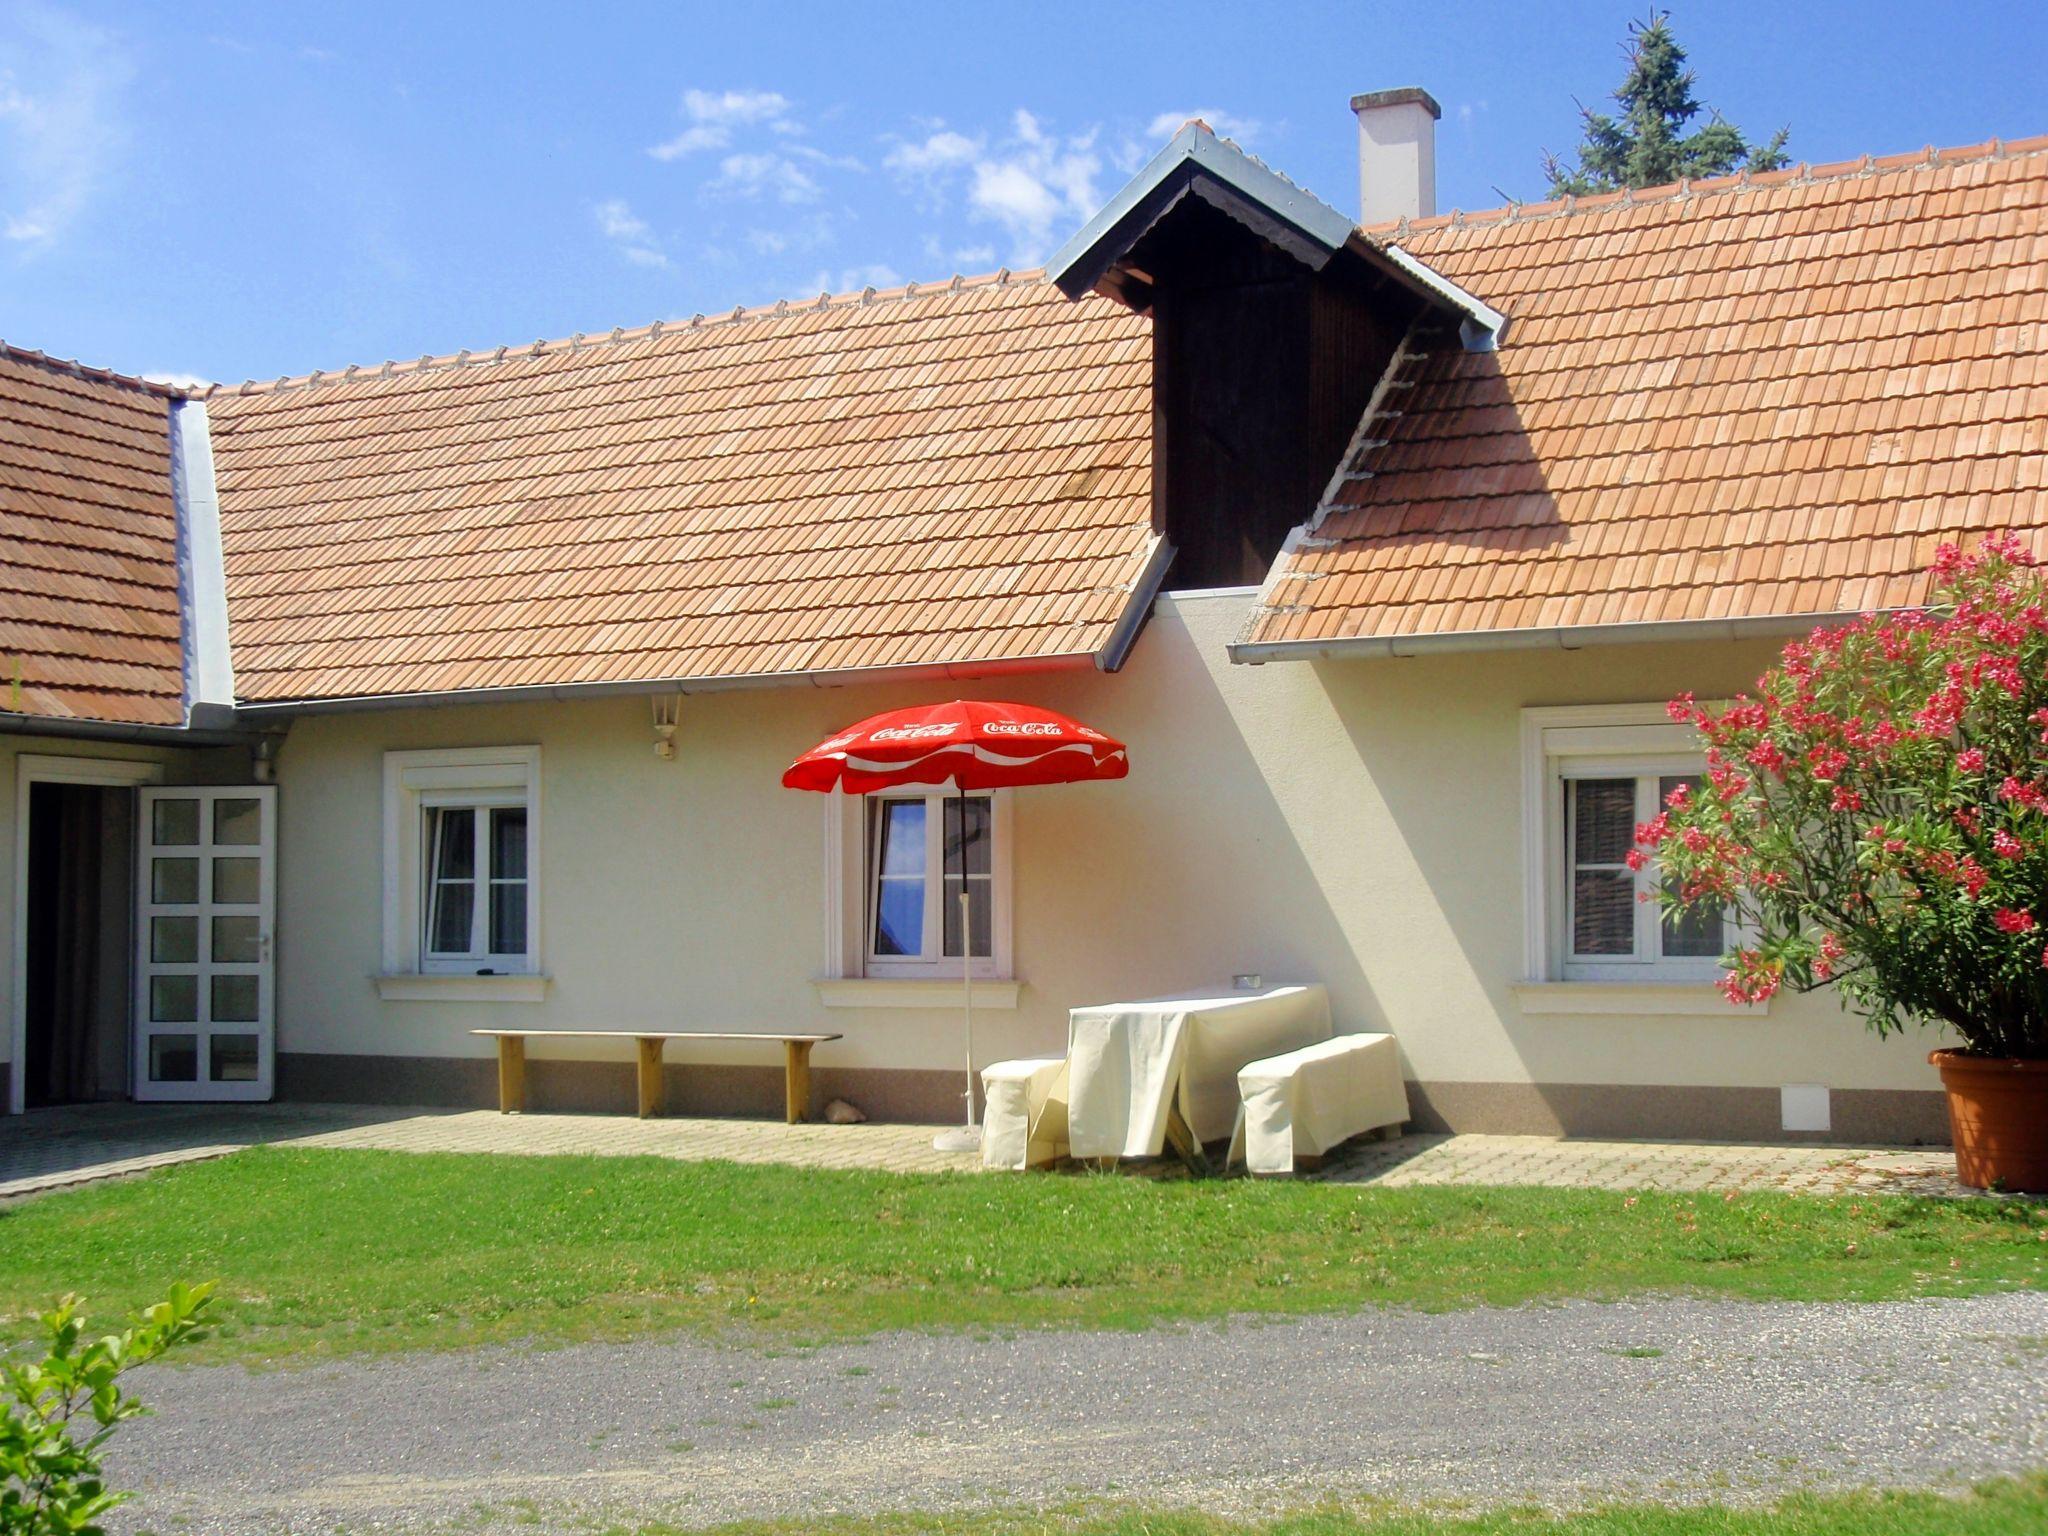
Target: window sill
(905,992)
(1665,999)
(453,987)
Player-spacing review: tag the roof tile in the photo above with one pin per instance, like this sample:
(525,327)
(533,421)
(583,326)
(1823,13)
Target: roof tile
(1703,393)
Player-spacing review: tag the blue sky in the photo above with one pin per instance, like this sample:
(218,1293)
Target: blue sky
(233,190)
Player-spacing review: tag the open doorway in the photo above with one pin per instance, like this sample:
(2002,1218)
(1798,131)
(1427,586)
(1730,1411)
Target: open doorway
(73,970)
(76,977)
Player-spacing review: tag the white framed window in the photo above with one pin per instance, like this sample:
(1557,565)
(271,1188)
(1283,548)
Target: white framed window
(1591,774)
(461,860)
(899,861)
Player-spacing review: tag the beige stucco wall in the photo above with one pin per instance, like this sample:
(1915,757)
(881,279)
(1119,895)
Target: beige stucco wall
(1353,822)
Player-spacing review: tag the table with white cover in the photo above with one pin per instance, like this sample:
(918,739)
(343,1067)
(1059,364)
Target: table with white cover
(1134,1067)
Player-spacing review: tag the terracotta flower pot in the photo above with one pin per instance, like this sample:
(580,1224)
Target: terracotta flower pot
(1998,1114)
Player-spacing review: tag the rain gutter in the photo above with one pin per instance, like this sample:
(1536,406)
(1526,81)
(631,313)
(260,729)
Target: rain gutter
(120,730)
(1573,637)
(552,693)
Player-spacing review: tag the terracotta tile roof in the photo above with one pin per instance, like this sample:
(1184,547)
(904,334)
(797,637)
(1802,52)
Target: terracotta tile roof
(89,614)
(957,475)
(1746,398)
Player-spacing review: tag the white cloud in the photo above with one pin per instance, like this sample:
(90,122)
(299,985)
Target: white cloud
(1229,124)
(853,279)
(629,233)
(175,379)
(1034,183)
(763,174)
(713,115)
(61,124)
(934,154)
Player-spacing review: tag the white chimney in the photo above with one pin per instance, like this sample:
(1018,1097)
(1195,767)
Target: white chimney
(1396,154)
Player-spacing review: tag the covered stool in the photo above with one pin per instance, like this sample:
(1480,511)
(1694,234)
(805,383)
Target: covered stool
(1309,1100)
(1024,1114)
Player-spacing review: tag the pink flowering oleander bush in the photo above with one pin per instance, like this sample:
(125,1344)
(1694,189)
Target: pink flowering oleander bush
(1875,813)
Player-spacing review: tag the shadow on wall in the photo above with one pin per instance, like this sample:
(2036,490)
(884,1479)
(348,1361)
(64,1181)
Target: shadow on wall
(1191,871)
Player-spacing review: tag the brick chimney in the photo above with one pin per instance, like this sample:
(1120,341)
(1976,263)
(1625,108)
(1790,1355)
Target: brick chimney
(1396,154)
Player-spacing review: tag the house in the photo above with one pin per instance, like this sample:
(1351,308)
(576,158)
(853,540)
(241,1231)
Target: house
(350,712)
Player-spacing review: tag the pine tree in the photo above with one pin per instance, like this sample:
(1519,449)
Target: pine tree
(1646,145)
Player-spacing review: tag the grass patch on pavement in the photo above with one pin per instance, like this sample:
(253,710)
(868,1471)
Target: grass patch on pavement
(330,1251)
(2007,1508)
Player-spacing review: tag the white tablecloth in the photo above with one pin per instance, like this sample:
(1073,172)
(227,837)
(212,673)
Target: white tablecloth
(1129,1063)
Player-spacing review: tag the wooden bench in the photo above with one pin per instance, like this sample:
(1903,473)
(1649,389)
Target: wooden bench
(796,1062)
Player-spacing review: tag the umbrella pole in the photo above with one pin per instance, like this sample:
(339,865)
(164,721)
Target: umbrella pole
(968,1137)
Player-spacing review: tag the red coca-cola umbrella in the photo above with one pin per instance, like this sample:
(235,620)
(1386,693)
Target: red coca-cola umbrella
(963,745)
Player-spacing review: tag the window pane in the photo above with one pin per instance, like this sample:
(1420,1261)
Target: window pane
(233,1000)
(1696,934)
(901,828)
(173,999)
(1603,912)
(174,882)
(238,822)
(174,1058)
(508,918)
(174,823)
(174,940)
(508,843)
(978,835)
(451,834)
(1604,821)
(234,940)
(237,879)
(232,1058)
(1693,934)
(452,906)
(979,917)
(899,918)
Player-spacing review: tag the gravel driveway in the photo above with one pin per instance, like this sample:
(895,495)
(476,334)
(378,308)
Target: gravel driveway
(1657,1399)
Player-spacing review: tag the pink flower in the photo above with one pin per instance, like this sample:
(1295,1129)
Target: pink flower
(2009,921)
(1846,799)
(1636,858)
(1971,761)
(2005,845)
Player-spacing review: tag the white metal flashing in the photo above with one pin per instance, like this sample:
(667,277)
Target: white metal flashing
(1483,325)
(202,572)
(1572,637)
(1144,592)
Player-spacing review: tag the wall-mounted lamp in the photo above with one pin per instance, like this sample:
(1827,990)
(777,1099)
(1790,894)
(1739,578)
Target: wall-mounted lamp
(666,712)
(263,760)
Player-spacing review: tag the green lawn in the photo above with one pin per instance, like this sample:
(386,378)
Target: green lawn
(1997,1509)
(322,1252)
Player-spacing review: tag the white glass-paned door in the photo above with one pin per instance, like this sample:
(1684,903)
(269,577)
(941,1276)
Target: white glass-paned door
(205,1009)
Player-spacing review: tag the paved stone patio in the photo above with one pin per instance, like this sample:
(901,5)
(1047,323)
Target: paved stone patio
(54,1149)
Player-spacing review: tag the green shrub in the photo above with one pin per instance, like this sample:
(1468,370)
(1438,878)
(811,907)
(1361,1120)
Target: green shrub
(50,1479)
